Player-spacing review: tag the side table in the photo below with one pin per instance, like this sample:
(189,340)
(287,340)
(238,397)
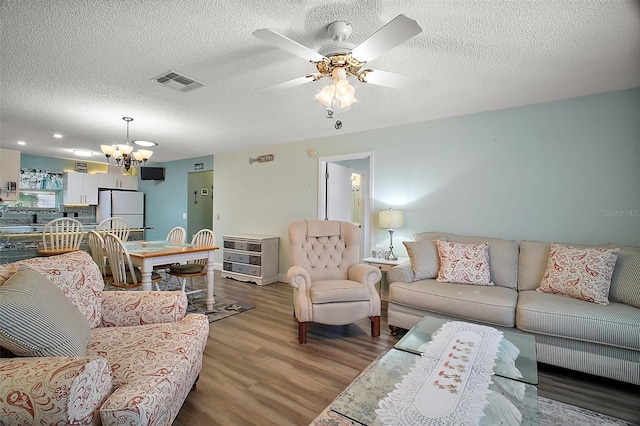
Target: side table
(385,266)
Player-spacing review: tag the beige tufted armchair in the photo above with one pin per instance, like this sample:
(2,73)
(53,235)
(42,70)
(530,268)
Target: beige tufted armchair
(330,286)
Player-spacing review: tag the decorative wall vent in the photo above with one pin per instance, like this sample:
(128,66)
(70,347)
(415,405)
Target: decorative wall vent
(178,81)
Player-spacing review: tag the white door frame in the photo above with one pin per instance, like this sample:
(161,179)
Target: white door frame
(367,193)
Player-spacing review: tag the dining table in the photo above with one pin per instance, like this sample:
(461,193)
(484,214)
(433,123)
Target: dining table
(147,254)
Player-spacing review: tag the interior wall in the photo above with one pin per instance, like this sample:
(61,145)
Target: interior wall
(200,204)
(166,201)
(558,171)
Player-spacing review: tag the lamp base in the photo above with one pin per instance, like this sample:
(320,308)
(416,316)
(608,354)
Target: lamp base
(391,255)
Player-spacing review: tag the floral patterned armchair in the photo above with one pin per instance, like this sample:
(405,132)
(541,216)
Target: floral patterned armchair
(143,355)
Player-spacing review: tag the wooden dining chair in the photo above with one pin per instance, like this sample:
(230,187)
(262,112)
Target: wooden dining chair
(115,225)
(96,246)
(125,275)
(62,235)
(177,235)
(196,268)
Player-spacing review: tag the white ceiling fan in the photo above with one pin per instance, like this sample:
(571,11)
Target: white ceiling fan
(341,59)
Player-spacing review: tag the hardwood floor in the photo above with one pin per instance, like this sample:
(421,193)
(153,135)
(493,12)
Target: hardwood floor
(256,373)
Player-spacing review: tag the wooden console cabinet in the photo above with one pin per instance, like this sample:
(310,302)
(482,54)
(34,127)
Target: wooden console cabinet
(250,258)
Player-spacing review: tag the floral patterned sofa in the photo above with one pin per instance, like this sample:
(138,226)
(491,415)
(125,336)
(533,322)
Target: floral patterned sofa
(142,355)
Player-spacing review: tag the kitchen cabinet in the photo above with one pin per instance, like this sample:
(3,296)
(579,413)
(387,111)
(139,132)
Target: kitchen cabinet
(117,181)
(9,174)
(80,188)
(250,258)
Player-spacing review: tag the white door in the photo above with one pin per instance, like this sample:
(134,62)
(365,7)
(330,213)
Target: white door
(339,193)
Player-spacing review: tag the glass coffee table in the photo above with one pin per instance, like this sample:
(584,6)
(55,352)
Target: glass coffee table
(420,335)
(360,400)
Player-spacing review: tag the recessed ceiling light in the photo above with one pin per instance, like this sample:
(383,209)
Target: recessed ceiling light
(57,135)
(145,143)
(22,143)
(82,153)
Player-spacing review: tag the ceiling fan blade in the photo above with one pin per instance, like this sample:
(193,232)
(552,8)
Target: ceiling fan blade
(397,31)
(393,80)
(289,84)
(287,44)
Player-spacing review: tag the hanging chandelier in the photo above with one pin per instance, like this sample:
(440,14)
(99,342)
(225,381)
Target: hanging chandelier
(124,156)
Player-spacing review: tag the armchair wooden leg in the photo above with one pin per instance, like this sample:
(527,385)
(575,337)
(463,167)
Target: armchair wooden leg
(302,332)
(394,330)
(375,326)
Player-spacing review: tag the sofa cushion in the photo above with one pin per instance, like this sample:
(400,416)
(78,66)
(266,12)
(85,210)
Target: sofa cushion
(625,282)
(503,255)
(330,291)
(424,259)
(153,368)
(463,263)
(581,273)
(36,319)
(616,324)
(75,274)
(489,304)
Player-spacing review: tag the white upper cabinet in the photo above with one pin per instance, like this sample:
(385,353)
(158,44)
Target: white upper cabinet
(9,174)
(80,188)
(117,181)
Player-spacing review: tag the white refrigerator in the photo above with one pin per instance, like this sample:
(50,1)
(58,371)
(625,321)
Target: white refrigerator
(128,205)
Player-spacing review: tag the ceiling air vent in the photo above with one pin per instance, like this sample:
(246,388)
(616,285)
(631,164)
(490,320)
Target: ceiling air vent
(177,81)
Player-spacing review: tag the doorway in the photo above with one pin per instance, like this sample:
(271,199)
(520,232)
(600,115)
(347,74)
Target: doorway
(200,205)
(345,191)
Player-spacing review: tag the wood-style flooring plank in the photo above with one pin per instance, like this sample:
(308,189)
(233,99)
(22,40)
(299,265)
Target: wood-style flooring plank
(256,373)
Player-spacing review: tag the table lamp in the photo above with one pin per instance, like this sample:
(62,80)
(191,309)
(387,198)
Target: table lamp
(391,219)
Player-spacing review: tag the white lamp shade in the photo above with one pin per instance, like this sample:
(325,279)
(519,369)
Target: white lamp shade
(145,154)
(108,149)
(326,95)
(391,219)
(344,91)
(125,149)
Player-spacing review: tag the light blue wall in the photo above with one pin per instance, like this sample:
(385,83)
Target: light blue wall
(560,171)
(166,201)
(555,171)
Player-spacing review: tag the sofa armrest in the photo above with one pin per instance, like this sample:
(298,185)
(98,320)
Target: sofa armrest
(402,273)
(53,390)
(365,274)
(128,308)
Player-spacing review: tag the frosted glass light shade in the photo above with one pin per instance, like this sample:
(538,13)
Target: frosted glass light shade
(125,149)
(326,95)
(108,149)
(145,154)
(391,219)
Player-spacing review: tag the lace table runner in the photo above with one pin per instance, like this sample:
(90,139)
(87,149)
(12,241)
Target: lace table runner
(449,383)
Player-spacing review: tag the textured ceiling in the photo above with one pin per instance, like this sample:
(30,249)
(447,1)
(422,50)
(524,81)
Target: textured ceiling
(76,67)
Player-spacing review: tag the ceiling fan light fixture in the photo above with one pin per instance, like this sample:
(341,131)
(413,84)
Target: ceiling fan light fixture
(326,95)
(347,104)
(344,91)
